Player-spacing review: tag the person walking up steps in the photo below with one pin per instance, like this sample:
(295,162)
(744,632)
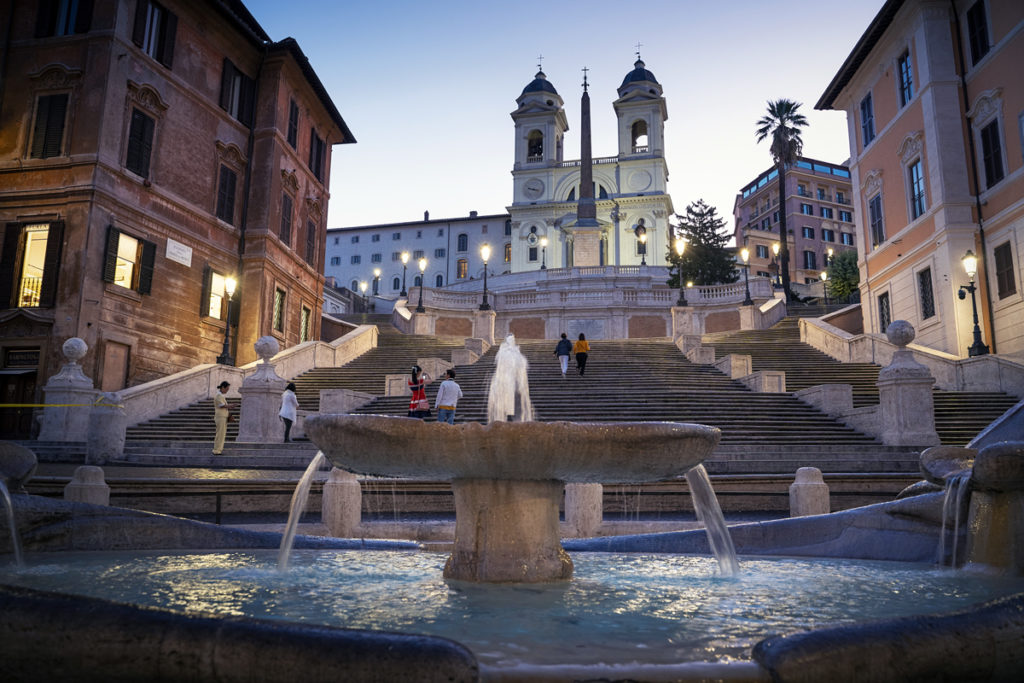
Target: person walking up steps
(563,351)
(221,415)
(289,409)
(448,395)
(581,349)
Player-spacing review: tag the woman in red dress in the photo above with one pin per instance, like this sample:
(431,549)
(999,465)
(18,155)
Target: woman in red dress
(419,407)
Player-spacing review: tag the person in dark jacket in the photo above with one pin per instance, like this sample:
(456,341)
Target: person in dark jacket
(563,351)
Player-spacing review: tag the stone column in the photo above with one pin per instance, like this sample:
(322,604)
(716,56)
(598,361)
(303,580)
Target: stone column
(905,394)
(108,424)
(483,325)
(808,495)
(88,486)
(69,398)
(261,398)
(342,504)
(584,508)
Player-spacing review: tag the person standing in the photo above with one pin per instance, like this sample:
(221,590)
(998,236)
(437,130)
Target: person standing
(289,409)
(221,415)
(563,350)
(419,406)
(448,395)
(581,348)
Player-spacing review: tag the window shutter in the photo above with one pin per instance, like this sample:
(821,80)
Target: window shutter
(286,219)
(51,264)
(247,101)
(170,29)
(146,267)
(83,20)
(139,30)
(227,76)
(204,298)
(140,143)
(8,263)
(110,255)
(45,19)
(48,133)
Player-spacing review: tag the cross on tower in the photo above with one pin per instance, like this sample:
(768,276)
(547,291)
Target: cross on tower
(540,61)
(638,46)
(585,70)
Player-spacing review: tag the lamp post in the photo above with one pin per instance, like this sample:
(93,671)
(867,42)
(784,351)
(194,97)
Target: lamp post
(405,263)
(485,254)
(680,248)
(366,302)
(643,248)
(423,269)
(376,281)
(775,263)
(824,285)
(225,357)
(828,257)
(970,262)
(745,254)
(543,253)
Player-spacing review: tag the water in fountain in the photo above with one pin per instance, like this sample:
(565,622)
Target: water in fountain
(705,502)
(9,507)
(299,498)
(509,396)
(957,488)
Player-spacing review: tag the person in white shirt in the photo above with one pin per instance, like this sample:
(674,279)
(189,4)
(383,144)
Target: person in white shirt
(289,407)
(448,395)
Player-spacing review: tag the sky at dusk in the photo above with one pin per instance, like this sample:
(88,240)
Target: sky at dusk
(427,87)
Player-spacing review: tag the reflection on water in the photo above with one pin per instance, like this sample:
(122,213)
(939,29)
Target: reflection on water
(617,609)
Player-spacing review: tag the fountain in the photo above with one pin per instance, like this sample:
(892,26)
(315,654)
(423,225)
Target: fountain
(507,477)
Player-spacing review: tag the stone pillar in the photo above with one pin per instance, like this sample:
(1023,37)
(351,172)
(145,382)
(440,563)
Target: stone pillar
(342,504)
(483,325)
(584,508)
(685,323)
(261,398)
(88,486)
(808,495)
(108,424)
(69,398)
(905,394)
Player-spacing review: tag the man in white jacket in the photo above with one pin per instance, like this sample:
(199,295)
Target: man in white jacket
(448,395)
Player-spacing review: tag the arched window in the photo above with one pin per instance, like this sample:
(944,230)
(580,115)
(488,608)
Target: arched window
(439,281)
(601,192)
(461,268)
(572,195)
(508,252)
(354,286)
(417,281)
(535,146)
(396,283)
(463,243)
(639,135)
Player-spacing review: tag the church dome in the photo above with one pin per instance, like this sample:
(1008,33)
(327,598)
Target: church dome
(540,83)
(639,73)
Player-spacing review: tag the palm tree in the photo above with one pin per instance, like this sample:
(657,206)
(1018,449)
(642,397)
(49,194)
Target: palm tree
(783,124)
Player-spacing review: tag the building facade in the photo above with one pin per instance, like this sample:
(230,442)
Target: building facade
(819,219)
(935,111)
(149,154)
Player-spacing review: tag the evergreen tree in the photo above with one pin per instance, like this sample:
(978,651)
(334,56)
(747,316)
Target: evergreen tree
(706,260)
(843,275)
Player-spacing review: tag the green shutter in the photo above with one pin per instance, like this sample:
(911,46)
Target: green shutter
(139,29)
(204,298)
(165,55)
(146,267)
(9,263)
(51,265)
(110,254)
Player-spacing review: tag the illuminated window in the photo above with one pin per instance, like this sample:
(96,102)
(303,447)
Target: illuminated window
(128,261)
(304,325)
(278,320)
(32,266)
(461,268)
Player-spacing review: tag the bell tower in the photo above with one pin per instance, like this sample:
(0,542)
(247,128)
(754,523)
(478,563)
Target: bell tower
(540,126)
(642,114)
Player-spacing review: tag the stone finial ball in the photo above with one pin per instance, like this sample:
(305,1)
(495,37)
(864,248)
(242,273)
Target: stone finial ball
(266,348)
(75,349)
(900,332)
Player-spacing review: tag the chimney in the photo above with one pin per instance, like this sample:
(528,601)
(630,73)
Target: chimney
(426,215)
(472,214)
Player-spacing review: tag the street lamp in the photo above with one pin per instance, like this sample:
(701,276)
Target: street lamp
(643,248)
(423,269)
(405,263)
(828,257)
(775,263)
(225,357)
(366,302)
(485,254)
(543,252)
(824,284)
(680,248)
(745,254)
(970,262)
(376,281)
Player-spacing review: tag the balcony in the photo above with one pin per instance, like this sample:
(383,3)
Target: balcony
(641,149)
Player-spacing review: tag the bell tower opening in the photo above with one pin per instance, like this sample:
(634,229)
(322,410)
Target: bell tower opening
(534,146)
(639,137)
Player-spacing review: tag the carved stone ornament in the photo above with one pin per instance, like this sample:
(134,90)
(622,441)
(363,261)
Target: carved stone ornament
(230,154)
(872,183)
(911,146)
(146,97)
(289,180)
(56,77)
(986,105)
(313,206)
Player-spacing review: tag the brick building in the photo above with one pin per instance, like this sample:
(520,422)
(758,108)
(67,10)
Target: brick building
(150,152)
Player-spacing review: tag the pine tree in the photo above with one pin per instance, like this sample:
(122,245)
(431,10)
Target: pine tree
(706,260)
(843,275)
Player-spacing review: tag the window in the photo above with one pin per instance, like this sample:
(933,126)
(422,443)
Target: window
(395,283)
(992,154)
(808,233)
(417,281)
(337,240)
(828,235)
(311,229)
(419,234)
(462,242)
(355,259)
(867,120)
(483,229)
(821,194)
(48,129)
(810,260)
(293,124)
(845,216)
(766,224)
(63,18)
(376,258)
(375,238)
(841,198)
(140,143)
(30,262)
(762,251)
(924,293)
(915,185)
(226,195)
(977,31)
(1006,284)
(317,154)
(508,228)
(877,220)
(237,93)
(508,252)
(286,219)
(846,238)
(775,217)
(461,268)
(906,78)
(335,260)
(440,232)
(807,209)
(396,235)
(278,319)
(884,312)
(439,281)
(826,212)
(801,190)
(355,239)
(417,255)
(439,253)
(214,302)
(396,256)
(532,254)
(128,261)
(304,318)
(534,146)
(154,31)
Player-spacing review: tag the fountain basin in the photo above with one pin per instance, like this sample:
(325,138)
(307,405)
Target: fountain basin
(507,477)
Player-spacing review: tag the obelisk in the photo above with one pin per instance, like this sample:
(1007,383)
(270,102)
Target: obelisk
(586,230)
